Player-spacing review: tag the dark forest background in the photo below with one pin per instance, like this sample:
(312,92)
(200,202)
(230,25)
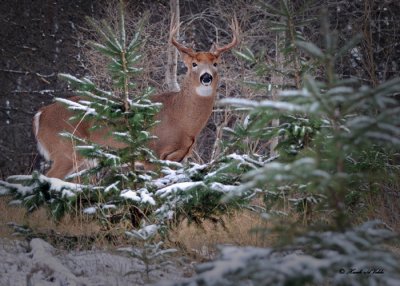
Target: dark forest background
(40,39)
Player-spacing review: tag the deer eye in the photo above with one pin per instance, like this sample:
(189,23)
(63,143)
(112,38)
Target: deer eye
(215,64)
(194,65)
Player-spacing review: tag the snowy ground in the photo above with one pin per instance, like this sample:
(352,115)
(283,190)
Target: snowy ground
(39,264)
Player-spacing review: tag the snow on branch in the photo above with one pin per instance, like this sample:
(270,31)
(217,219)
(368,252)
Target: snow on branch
(184,186)
(72,105)
(25,185)
(140,196)
(279,105)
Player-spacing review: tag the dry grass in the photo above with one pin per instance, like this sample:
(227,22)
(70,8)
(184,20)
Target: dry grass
(241,228)
(42,225)
(385,207)
(9,214)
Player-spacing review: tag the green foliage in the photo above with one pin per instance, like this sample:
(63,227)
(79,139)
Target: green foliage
(335,136)
(288,22)
(337,140)
(197,191)
(129,116)
(37,190)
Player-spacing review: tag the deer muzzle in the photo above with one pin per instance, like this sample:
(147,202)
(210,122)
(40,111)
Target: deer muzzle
(206,79)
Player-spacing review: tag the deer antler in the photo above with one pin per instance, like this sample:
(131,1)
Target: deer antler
(235,38)
(173,31)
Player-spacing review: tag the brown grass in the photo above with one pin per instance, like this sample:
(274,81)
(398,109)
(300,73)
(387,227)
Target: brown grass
(241,228)
(42,225)
(385,207)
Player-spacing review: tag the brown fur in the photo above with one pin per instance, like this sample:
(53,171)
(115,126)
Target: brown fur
(182,117)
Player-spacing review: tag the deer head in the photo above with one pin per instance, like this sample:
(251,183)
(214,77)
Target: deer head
(202,66)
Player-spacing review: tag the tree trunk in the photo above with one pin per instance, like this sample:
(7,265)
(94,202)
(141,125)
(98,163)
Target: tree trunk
(172,64)
(277,83)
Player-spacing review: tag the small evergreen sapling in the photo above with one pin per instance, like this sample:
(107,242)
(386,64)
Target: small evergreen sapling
(150,252)
(128,113)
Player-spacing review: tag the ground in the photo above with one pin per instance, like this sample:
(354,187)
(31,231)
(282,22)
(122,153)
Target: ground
(37,263)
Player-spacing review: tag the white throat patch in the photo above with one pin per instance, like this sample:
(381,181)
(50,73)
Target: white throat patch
(203,90)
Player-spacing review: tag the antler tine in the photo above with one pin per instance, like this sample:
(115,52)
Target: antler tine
(235,38)
(173,31)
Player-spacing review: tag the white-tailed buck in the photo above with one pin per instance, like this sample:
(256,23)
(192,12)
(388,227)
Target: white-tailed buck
(182,116)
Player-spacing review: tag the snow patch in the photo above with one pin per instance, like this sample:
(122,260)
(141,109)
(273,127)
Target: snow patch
(90,210)
(131,195)
(148,230)
(171,177)
(147,197)
(142,195)
(42,256)
(222,188)
(108,206)
(184,186)
(72,105)
(112,187)
(279,105)
(23,190)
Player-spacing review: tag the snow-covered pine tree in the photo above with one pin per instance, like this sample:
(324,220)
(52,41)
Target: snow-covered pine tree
(128,112)
(151,253)
(112,184)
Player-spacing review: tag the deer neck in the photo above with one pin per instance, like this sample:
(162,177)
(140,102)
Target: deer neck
(195,105)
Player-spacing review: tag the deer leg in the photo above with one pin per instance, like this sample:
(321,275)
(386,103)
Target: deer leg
(60,168)
(179,154)
(64,163)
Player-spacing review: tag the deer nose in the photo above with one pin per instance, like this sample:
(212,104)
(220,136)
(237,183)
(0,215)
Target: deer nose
(206,78)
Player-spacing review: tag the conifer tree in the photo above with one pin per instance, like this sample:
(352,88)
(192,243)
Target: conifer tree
(346,124)
(128,113)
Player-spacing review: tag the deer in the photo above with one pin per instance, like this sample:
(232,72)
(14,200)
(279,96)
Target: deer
(183,114)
